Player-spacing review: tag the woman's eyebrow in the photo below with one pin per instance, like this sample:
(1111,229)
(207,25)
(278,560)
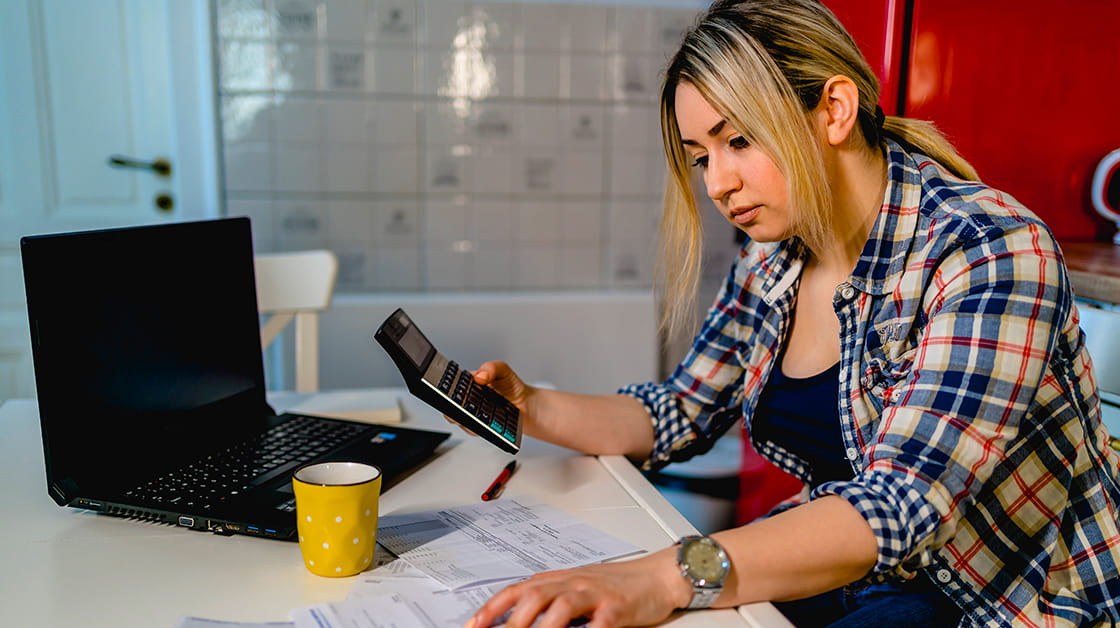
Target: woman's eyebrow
(712,132)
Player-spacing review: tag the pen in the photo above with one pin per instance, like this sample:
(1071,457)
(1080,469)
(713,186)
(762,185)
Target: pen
(499,482)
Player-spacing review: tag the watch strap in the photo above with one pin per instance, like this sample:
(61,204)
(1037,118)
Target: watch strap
(703,598)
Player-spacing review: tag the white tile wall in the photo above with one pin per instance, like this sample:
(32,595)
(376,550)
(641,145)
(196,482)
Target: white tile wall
(448,144)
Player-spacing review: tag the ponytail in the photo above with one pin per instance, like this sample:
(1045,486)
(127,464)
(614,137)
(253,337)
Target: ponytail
(923,137)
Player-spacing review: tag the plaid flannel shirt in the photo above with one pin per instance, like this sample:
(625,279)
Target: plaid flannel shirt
(969,407)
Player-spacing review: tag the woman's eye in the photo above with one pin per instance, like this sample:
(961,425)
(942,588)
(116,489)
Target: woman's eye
(738,142)
(700,162)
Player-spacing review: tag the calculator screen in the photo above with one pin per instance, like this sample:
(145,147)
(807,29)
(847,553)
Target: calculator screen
(415,345)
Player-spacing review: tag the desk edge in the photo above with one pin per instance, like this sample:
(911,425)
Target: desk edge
(757,615)
(648,497)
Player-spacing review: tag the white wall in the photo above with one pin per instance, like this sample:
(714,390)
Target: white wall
(590,342)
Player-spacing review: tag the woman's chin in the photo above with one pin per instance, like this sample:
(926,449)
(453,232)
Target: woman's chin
(764,233)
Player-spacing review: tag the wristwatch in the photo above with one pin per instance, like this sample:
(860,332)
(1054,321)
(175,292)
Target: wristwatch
(705,565)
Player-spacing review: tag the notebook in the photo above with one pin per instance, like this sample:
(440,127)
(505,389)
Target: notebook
(151,388)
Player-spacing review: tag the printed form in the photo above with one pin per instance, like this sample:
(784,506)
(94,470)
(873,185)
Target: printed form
(451,561)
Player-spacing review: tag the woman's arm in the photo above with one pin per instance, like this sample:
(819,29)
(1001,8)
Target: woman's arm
(592,424)
(803,551)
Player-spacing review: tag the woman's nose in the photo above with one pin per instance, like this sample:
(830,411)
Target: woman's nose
(720,179)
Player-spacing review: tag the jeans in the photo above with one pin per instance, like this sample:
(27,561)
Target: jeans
(916,603)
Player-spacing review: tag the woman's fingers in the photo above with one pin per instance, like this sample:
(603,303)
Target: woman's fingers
(492,370)
(569,606)
(555,599)
(532,601)
(551,602)
(494,608)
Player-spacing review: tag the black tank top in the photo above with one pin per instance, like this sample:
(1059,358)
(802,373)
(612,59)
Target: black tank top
(803,416)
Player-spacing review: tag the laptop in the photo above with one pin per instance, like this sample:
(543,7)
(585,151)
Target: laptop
(151,387)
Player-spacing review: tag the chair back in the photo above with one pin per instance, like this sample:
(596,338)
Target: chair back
(296,286)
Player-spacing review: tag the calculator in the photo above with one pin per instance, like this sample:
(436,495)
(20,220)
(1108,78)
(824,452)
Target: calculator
(445,386)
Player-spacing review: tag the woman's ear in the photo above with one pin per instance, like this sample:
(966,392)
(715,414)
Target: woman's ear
(838,110)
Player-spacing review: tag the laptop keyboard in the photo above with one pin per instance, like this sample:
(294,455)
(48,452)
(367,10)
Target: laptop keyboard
(224,475)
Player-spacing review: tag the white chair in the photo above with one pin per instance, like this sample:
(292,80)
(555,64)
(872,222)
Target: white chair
(296,286)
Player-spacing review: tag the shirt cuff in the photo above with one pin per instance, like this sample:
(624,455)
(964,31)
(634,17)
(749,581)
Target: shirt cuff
(671,427)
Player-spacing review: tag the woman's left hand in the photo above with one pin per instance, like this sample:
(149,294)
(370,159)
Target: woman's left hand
(631,593)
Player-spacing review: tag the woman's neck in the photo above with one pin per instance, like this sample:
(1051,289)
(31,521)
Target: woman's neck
(859,181)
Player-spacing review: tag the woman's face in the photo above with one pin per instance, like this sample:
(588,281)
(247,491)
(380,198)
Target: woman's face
(741,179)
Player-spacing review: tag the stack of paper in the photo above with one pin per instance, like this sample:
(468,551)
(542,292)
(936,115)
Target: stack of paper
(355,405)
(446,563)
(451,561)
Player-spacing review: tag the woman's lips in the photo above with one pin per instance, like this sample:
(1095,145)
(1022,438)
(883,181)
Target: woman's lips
(744,215)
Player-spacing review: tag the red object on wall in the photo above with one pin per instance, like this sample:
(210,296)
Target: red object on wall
(1029,92)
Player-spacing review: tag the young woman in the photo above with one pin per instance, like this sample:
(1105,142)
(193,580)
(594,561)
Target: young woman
(895,333)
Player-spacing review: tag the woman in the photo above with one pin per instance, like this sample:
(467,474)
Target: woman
(894,333)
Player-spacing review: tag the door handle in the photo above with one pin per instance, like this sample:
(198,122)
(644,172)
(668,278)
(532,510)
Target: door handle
(161,167)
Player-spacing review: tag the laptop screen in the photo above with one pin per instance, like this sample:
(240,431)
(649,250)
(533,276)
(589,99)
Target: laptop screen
(146,347)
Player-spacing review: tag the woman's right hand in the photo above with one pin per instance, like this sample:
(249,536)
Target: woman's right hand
(592,424)
(499,376)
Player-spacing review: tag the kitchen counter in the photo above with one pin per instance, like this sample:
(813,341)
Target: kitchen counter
(1094,269)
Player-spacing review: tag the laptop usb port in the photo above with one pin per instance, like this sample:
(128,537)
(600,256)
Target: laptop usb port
(253,529)
(186,522)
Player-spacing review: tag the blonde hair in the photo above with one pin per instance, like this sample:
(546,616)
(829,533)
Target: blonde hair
(762,64)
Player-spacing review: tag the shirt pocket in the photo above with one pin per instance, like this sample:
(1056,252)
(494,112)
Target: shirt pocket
(885,369)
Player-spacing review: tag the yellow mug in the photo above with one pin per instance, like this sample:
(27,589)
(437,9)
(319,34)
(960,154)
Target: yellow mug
(336,513)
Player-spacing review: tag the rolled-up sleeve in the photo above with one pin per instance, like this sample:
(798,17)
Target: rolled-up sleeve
(703,397)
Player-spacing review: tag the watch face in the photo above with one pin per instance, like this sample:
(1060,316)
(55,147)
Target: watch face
(705,560)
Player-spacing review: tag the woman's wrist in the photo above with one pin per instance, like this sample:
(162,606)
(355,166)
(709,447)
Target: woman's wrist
(532,409)
(675,587)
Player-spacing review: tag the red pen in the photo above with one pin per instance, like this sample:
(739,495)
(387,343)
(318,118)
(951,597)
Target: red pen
(500,482)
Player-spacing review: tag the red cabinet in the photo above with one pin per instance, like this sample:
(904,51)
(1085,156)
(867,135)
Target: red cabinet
(1029,91)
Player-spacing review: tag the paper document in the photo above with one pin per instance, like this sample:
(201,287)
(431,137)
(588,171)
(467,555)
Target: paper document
(355,405)
(396,596)
(495,541)
(200,622)
(438,609)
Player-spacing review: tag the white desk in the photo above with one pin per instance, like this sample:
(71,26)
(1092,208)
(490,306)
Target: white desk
(66,567)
